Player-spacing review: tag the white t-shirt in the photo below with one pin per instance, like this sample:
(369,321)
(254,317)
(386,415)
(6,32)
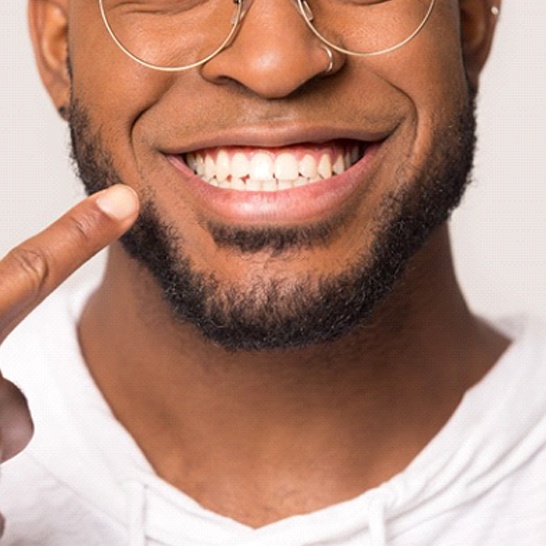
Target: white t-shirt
(84,482)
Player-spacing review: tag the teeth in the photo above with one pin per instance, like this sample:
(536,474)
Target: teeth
(240,166)
(191,162)
(253,184)
(222,165)
(354,154)
(200,166)
(285,184)
(308,166)
(286,167)
(210,168)
(339,166)
(261,166)
(268,171)
(325,166)
(238,184)
(269,185)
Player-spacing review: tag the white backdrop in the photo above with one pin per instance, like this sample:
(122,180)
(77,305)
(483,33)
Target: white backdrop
(499,232)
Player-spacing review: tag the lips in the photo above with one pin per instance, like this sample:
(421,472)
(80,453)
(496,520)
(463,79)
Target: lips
(273,169)
(280,184)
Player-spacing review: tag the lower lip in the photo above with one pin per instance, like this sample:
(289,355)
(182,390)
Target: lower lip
(295,205)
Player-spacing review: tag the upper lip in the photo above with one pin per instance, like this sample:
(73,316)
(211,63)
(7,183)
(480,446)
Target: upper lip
(273,137)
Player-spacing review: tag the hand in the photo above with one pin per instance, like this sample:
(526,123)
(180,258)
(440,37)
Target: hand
(32,270)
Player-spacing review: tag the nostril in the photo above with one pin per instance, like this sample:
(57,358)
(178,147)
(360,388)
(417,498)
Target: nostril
(271,70)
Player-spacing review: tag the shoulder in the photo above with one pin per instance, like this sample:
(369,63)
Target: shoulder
(525,358)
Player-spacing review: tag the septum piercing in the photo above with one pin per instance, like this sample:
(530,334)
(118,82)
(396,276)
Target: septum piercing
(330,59)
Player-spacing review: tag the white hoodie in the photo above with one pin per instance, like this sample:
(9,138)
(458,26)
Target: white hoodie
(83,481)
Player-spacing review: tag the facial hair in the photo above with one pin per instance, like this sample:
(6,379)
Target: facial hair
(295,311)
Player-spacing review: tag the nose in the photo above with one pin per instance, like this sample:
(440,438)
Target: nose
(273,53)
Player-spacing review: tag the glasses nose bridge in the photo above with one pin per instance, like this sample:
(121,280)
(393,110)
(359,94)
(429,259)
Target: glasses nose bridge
(301,6)
(243,6)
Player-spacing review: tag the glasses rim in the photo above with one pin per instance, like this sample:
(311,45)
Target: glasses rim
(307,16)
(236,18)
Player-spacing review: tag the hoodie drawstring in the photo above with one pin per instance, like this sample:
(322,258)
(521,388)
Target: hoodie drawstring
(137,513)
(377,523)
(137,493)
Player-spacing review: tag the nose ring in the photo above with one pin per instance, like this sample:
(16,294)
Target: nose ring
(330,59)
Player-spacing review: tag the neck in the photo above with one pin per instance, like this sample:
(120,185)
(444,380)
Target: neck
(339,417)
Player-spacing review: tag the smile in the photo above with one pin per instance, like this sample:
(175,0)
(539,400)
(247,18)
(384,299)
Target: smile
(273,169)
(274,182)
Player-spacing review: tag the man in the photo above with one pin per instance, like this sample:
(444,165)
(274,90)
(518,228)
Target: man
(278,352)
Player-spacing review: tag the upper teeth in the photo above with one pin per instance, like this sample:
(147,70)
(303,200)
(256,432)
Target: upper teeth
(267,170)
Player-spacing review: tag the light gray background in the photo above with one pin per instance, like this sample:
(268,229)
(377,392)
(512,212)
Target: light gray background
(499,233)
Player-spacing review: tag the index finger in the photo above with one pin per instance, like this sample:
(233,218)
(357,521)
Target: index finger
(32,270)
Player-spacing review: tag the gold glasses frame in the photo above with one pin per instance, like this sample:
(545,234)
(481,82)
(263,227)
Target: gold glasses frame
(308,17)
(238,15)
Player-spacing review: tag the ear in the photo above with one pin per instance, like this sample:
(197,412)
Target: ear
(48,22)
(478,22)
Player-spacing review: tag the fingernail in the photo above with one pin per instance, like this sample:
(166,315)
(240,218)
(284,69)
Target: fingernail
(118,201)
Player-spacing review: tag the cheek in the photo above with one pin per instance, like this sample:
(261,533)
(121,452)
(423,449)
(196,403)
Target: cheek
(430,68)
(114,89)
(439,83)
(430,73)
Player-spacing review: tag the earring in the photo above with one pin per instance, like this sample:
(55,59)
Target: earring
(495,11)
(63,112)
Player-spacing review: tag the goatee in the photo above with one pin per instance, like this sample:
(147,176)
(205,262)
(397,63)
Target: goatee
(283,313)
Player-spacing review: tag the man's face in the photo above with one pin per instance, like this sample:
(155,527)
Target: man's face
(282,268)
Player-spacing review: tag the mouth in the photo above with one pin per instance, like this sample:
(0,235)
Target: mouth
(250,169)
(277,183)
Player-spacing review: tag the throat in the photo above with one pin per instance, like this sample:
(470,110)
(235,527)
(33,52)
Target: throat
(260,436)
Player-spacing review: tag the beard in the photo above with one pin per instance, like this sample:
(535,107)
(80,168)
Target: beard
(291,311)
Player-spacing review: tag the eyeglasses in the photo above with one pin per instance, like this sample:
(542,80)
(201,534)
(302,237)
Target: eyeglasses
(175,35)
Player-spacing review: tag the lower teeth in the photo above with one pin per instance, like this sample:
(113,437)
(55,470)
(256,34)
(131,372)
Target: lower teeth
(262,185)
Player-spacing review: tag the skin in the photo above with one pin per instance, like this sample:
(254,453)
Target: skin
(32,270)
(261,436)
